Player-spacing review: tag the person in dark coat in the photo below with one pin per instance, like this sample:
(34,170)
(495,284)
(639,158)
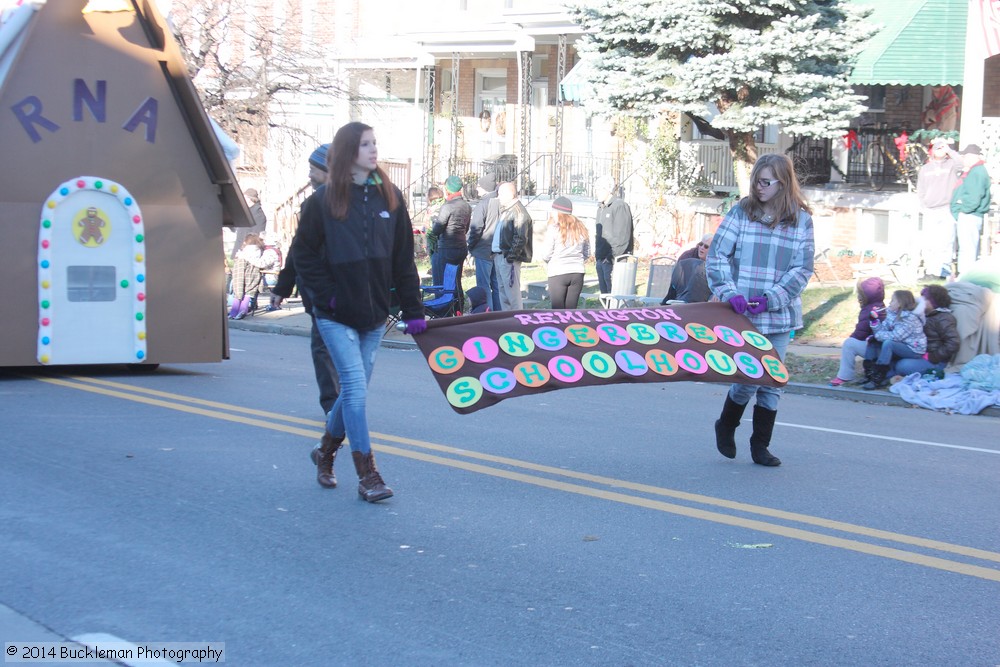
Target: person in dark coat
(941,329)
(353,248)
(871,297)
(326,374)
(480,240)
(451,227)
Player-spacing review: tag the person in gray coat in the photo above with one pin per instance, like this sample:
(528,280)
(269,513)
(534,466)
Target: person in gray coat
(613,231)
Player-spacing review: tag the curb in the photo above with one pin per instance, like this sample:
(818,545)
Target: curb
(878,397)
(296,330)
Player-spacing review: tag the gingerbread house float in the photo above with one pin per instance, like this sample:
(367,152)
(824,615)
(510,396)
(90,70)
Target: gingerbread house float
(114,190)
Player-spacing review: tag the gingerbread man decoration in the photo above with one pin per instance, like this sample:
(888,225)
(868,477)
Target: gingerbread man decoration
(92,225)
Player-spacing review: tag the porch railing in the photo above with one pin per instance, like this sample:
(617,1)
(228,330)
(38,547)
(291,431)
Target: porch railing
(576,176)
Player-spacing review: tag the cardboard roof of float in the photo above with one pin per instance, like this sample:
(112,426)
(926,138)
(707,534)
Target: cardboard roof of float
(101,89)
(100,36)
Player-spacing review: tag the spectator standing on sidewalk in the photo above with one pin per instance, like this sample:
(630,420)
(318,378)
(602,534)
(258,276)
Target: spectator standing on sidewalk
(512,241)
(760,260)
(480,240)
(326,374)
(613,231)
(969,203)
(567,247)
(935,183)
(353,246)
(451,227)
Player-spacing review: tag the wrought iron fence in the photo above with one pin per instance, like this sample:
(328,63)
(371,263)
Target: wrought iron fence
(574,174)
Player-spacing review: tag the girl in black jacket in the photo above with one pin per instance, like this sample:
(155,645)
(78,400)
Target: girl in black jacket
(354,244)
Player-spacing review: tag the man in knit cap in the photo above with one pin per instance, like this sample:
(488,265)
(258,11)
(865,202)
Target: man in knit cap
(326,374)
(481,227)
(451,226)
(317,166)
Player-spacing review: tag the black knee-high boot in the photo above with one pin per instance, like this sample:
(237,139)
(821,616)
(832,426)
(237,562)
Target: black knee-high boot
(725,427)
(760,439)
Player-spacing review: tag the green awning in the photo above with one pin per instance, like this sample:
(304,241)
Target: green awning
(921,43)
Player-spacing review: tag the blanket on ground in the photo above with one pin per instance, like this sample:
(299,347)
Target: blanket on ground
(969,392)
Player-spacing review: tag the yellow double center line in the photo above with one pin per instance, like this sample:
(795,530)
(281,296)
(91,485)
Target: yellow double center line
(554,479)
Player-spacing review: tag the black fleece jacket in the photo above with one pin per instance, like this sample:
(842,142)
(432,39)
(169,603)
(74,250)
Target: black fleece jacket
(357,260)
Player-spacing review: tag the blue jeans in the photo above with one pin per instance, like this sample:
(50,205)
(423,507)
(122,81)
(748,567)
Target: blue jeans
(353,355)
(906,367)
(486,277)
(605,267)
(884,352)
(767,397)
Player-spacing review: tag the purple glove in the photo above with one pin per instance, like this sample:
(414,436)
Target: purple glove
(333,303)
(414,327)
(757,305)
(739,303)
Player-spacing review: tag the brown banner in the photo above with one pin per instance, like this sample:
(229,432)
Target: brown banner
(479,360)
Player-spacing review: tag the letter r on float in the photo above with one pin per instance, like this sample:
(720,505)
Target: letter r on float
(29,113)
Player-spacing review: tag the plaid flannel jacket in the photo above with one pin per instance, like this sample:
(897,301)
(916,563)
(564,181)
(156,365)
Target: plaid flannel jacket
(749,258)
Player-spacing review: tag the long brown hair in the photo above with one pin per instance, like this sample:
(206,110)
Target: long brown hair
(339,161)
(571,230)
(905,299)
(789,198)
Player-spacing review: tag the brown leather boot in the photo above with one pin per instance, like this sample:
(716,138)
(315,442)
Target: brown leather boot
(371,487)
(323,455)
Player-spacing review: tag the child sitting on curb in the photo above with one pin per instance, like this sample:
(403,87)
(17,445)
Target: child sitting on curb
(871,295)
(941,329)
(900,336)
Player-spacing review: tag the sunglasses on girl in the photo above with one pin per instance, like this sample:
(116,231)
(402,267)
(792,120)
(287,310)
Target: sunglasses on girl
(767,182)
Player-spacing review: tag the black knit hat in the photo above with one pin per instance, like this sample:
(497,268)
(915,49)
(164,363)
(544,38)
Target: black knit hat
(563,205)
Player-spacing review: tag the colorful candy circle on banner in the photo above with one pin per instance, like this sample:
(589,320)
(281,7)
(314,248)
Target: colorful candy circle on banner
(758,340)
(498,380)
(464,391)
(481,350)
(550,338)
(446,359)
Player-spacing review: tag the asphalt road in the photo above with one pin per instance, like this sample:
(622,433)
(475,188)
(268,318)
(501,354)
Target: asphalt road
(591,526)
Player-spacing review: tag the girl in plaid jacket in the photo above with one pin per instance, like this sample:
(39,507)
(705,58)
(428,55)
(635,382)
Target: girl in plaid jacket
(759,262)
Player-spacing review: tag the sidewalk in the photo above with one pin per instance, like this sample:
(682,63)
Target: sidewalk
(292,320)
(19,630)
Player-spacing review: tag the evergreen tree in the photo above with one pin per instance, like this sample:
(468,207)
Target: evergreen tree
(783,62)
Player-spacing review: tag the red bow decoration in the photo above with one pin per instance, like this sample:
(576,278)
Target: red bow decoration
(851,140)
(901,142)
